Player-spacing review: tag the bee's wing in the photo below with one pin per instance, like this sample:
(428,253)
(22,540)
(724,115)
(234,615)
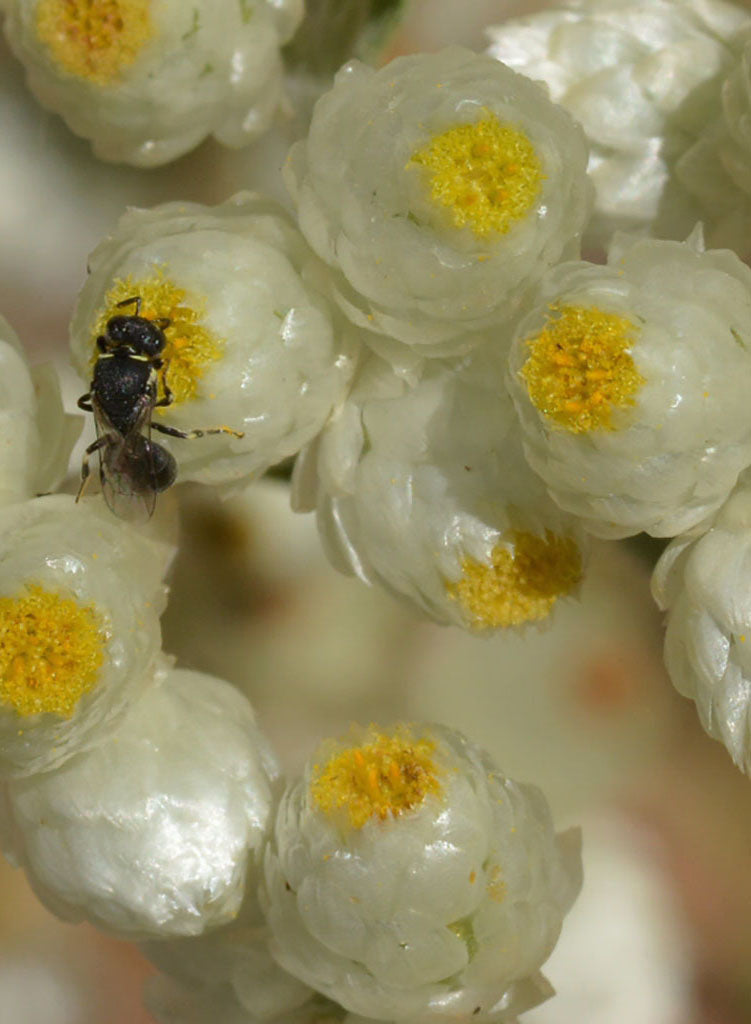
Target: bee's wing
(125,468)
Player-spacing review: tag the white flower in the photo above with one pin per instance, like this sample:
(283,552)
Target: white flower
(705,586)
(426,491)
(715,169)
(633,73)
(408,878)
(632,381)
(153,832)
(146,81)
(80,599)
(439,187)
(251,345)
(36,435)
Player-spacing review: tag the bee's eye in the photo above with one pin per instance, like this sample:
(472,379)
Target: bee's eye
(152,341)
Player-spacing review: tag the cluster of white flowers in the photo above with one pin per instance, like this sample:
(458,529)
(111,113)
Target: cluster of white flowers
(469,401)
(146,81)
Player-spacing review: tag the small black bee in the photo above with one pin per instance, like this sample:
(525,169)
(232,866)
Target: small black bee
(122,396)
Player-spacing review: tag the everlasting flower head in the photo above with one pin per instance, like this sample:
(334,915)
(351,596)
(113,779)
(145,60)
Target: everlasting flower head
(146,81)
(36,436)
(408,878)
(636,76)
(704,586)
(438,188)
(153,832)
(631,382)
(425,490)
(80,599)
(251,345)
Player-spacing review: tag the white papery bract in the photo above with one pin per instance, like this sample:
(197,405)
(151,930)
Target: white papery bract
(636,75)
(251,345)
(228,968)
(153,832)
(715,169)
(36,435)
(705,586)
(429,260)
(631,382)
(409,879)
(426,491)
(147,80)
(87,592)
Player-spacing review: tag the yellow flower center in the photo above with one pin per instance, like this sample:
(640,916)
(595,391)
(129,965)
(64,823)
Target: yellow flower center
(487,174)
(380,778)
(580,368)
(51,650)
(94,39)
(190,347)
(522,583)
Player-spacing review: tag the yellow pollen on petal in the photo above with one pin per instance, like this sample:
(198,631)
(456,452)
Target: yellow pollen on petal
(580,368)
(51,651)
(381,778)
(191,347)
(94,39)
(496,887)
(522,582)
(487,174)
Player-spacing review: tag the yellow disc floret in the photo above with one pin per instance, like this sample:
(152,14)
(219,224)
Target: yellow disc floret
(190,347)
(580,368)
(94,39)
(51,651)
(523,581)
(381,778)
(487,174)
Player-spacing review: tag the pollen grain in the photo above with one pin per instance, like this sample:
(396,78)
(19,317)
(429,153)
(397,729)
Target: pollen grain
(526,576)
(95,40)
(580,368)
(51,651)
(381,778)
(487,174)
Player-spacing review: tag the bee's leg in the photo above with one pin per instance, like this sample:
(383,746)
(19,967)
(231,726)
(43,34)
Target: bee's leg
(134,300)
(84,402)
(190,435)
(168,398)
(95,446)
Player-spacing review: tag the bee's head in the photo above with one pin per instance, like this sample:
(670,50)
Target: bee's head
(142,336)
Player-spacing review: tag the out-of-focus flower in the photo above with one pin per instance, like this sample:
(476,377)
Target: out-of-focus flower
(80,599)
(637,76)
(408,878)
(705,586)
(439,188)
(426,491)
(171,1002)
(153,832)
(146,81)
(251,343)
(715,169)
(36,435)
(631,382)
(228,967)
